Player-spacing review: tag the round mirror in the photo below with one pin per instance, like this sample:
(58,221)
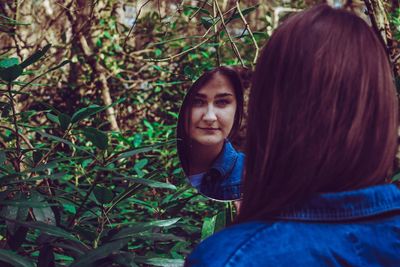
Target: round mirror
(210,132)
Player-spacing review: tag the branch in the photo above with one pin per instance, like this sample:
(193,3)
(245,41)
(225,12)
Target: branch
(249,31)
(134,23)
(235,49)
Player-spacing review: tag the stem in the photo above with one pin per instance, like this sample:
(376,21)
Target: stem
(249,31)
(14,115)
(235,49)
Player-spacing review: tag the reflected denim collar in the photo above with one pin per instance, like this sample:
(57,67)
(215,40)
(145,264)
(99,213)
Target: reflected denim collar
(226,160)
(347,205)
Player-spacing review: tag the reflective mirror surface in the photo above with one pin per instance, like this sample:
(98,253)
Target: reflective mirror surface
(210,133)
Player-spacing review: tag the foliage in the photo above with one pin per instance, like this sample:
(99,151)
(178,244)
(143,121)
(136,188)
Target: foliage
(78,192)
(88,167)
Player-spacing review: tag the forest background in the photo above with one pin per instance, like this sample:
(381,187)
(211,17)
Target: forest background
(89,99)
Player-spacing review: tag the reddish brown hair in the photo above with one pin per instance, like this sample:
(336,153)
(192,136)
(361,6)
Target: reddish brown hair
(322,112)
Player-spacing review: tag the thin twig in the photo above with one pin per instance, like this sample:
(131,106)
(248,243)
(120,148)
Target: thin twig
(134,23)
(21,135)
(197,11)
(185,51)
(249,31)
(14,115)
(235,49)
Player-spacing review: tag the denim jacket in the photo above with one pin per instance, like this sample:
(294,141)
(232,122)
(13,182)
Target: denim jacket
(224,179)
(353,228)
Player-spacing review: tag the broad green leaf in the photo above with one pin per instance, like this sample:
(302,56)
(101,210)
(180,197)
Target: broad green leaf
(14,213)
(91,110)
(396,177)
(65,62)
(244,13)
(100,253)
(50,229)
(208,227)
(11,73)
(97,137)
(133,152)
(3,157)
(53,118)
(8,62)
(64,120)
(14,259)
(85,112)
(151,183)
(207,22)
(42,167)
(27,203)
(35,56)
(61,140)
(156,236)
(44,214)
(138,227)
(160,261)
(37,155)
(124,259)
(103,195)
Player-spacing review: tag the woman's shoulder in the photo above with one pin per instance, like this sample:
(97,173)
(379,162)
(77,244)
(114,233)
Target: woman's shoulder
(302,243)
(218,249)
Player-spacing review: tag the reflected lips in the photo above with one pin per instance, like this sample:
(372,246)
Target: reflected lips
(208,128)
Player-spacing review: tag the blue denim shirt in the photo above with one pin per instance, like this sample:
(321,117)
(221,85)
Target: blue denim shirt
(224,179)
(354,228)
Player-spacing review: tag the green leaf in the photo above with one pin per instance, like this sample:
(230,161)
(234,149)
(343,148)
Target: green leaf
(64,120)
(396,177)
(85,112)
(139,227)
(11,73)
(50,229)
(14,213)
(133,152)
(35,56)
(160,261)
(61,140)
(14,259)
(100,253)
(150,183)
(37,155)
(103,194)
(97,137)
(8,62)
(124,259)
(208,227)
(207,22)
(53,118)
(245,12)
(3,157)
(44,214)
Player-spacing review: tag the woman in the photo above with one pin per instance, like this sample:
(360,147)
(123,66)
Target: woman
(210,115)
(321,144)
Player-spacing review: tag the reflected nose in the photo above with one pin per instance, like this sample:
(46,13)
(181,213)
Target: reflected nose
(210,115)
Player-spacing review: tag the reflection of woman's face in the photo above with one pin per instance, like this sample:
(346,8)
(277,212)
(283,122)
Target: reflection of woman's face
(213,111)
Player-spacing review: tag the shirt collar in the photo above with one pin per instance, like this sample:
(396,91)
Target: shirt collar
(348,205)
(226,159)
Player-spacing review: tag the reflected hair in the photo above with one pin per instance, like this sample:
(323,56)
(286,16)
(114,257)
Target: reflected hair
(322,112)
(184,115)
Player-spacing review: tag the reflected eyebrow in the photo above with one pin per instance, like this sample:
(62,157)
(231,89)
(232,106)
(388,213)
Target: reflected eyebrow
(217,96)
(223,95)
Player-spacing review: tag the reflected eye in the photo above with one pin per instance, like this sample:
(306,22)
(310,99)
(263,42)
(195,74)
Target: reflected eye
(222,102)
(198,102)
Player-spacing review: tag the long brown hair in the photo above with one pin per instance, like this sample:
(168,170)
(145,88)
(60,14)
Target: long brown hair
(322,112)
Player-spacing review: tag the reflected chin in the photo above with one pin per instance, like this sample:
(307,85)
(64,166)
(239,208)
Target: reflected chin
(208,140)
